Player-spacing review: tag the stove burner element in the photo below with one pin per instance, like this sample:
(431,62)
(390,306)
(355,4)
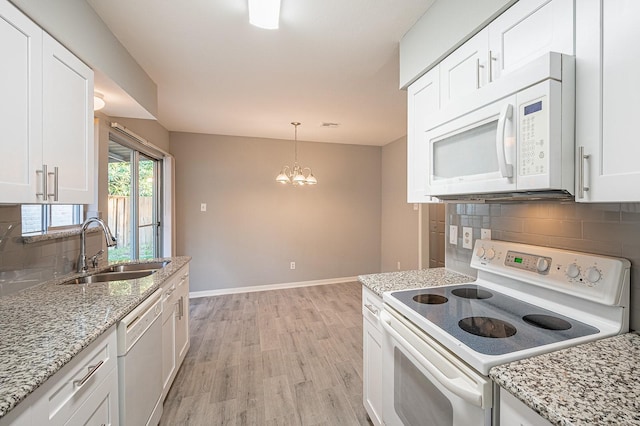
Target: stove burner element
(487,327)
(547,322)
(471,293)
(430,299)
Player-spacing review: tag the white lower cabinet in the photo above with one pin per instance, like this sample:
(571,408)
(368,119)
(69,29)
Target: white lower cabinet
(372,355)
(514,412)
(83,392)
(175,326)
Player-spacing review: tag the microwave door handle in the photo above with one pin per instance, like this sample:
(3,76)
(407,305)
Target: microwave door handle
(506,170)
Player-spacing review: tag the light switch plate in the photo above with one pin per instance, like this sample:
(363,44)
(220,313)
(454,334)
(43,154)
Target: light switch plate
(453,234)
(485,234)
(467,237)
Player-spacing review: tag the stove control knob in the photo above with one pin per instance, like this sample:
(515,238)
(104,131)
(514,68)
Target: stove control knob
(490,254)
(480,251)
(593,274)
(573,270)
(542,265)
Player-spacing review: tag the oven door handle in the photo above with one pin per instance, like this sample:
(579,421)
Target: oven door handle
(456,385)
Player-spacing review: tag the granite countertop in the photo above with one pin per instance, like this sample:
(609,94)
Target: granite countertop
(595,383)
(45,326)
(404,280)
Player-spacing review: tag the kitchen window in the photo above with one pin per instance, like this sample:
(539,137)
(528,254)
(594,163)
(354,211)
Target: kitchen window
(41,218)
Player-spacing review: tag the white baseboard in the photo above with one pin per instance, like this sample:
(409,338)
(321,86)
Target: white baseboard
(209,293)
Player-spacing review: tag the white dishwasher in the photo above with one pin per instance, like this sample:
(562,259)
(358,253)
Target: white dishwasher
(140,364)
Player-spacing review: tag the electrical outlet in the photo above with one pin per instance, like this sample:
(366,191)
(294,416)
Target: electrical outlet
(453,234)
(292,265)
(467,237)
(203,207)
(398,265)
(485,234)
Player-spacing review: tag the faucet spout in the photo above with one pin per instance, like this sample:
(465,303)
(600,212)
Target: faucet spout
(108,236)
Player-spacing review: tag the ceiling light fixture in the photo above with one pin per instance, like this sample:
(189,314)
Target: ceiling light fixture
(264,13)
(296,175)
(98,101)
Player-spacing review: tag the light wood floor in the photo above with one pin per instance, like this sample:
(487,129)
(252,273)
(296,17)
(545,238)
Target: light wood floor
(281,357)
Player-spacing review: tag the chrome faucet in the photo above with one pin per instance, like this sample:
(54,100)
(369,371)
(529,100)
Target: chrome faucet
(111,241)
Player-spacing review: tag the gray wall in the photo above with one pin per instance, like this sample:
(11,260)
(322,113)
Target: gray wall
(254,227)
(76,25)
(444,26)
(607,229)
(399,232)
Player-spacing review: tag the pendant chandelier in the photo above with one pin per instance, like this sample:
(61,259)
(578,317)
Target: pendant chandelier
(297,175)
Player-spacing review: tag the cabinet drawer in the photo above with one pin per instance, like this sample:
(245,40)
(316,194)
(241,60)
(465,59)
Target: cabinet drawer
(371,305)
(67,391)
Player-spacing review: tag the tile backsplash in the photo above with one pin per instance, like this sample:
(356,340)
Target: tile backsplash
(606,229)
(23,265)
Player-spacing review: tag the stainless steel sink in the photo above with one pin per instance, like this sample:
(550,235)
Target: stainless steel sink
(148,266)
(110,276)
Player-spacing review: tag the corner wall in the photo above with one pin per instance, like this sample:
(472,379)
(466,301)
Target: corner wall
(254,227)
(399,234)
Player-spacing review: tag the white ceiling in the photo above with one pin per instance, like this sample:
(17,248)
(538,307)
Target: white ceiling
(330,61)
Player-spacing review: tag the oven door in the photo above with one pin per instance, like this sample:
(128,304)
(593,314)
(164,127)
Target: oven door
(425,385)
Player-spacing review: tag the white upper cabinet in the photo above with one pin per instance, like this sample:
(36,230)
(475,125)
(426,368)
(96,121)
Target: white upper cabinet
(423,99)
(528,29)
(68,124)
(20,105)
(607,66)
(46,117)
(465,70)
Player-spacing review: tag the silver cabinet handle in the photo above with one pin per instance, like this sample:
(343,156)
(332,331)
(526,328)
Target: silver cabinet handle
(44,174)
(91,372)
(371,309)
(491,59)
(181,307)
(54,194)
(582,188)
(478,66)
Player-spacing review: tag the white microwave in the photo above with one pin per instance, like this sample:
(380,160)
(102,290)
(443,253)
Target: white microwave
(511,139)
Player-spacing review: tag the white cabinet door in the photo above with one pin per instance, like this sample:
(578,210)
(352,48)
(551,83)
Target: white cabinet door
(20,106)
(46,117)
(101,407)
(168,343)
(607,65)
(372,355)
(175,326)
(465,70)
(68,124)
(513,412)
(182,318)
(423,99)
(528,29)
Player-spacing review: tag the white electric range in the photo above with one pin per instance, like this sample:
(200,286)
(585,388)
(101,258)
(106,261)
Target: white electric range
(527,300)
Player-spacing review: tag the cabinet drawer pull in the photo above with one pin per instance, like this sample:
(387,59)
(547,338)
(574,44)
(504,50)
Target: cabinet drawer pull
(91,372)
(371,309)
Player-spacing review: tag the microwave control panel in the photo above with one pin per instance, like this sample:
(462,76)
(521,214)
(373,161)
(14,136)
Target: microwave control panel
(533,137)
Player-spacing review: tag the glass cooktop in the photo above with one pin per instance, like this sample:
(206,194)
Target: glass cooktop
(490,322)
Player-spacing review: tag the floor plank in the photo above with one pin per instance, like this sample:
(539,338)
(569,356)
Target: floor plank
(281,357)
